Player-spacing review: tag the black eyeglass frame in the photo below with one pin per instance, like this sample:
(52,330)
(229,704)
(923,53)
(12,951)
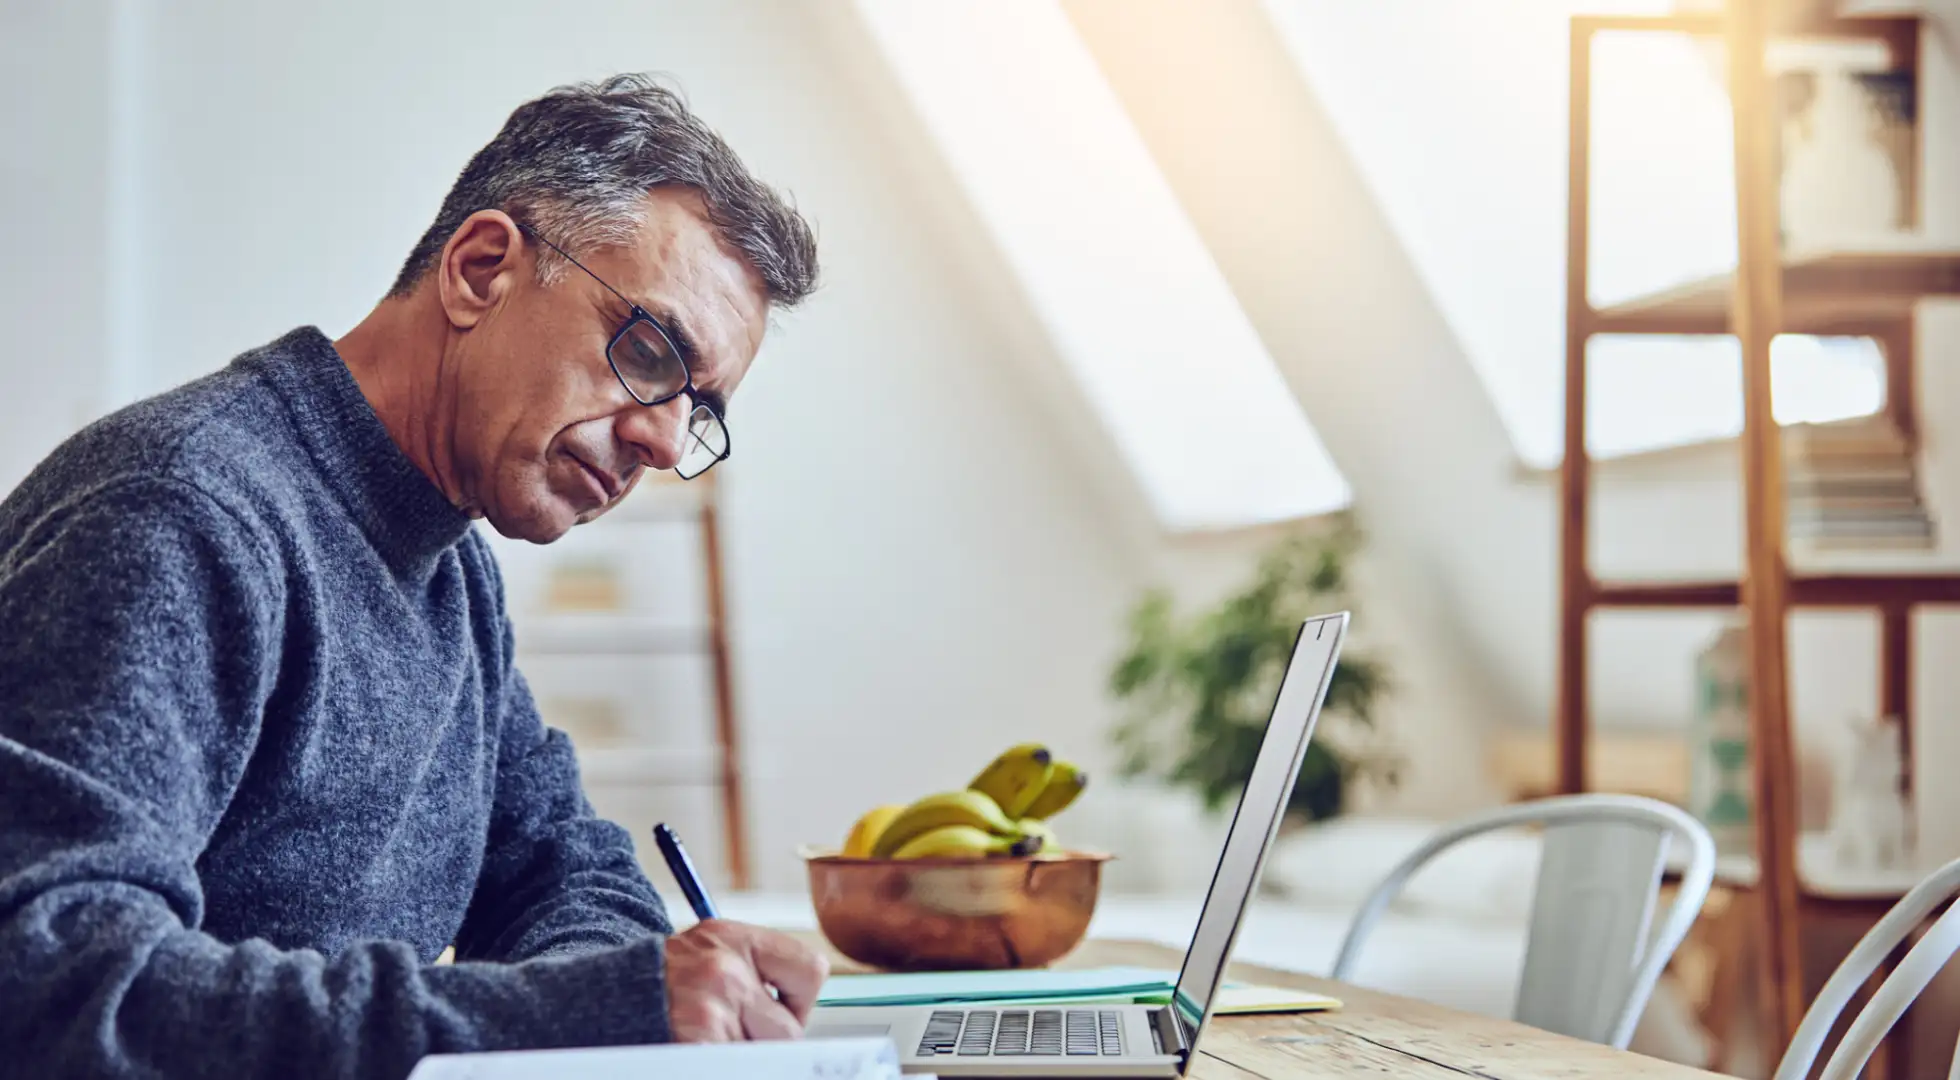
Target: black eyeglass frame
(642,315)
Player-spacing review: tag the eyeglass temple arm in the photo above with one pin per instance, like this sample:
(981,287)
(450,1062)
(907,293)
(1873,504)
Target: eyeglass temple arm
(689,388)
(541,238)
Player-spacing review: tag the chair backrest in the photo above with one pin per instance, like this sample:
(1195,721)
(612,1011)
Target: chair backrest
(1897,993)
(1590,963)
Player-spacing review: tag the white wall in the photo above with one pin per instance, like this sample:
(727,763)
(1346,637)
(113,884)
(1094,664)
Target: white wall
(53,188)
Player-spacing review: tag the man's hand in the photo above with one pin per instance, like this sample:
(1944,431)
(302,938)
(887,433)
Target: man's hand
(718,979)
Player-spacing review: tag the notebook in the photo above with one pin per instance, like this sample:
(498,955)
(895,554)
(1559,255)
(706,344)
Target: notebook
(1237,1000)
(1087,986)
(815,1059)
(939,987)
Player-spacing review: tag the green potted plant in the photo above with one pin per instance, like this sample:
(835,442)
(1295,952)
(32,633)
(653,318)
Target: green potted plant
(1199,690)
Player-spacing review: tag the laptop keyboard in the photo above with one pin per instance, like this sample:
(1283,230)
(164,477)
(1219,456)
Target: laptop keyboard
(998,1032)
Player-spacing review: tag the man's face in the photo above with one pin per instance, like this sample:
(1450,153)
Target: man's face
(546,437)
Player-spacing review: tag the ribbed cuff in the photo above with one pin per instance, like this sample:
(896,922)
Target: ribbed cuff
(617,997)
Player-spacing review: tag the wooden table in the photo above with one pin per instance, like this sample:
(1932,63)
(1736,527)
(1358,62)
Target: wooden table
(1374,1035)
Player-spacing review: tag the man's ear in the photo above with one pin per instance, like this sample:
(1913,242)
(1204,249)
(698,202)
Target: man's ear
(480,266)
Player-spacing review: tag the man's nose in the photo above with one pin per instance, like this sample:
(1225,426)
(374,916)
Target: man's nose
(657,433)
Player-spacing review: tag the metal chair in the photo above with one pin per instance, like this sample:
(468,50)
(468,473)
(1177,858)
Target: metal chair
(1590,963)
(1894,996)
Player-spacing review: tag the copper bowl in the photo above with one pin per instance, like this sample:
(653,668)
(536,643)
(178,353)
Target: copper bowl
(955,914)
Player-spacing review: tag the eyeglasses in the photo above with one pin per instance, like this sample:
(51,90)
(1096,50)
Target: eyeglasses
(644,358)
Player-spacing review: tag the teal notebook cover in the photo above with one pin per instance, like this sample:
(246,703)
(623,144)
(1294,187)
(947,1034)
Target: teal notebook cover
(1044,987)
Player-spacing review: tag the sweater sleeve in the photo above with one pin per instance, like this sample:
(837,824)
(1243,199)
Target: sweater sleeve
(557,880)
(139,633)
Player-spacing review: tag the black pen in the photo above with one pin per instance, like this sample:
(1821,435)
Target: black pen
(683,870)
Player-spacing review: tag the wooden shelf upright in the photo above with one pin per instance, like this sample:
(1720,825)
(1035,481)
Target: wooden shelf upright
(1854,293)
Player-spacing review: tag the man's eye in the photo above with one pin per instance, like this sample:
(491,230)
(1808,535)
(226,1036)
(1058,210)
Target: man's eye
(643,356)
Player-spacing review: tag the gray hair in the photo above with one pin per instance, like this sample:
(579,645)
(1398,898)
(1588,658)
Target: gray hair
(577,163)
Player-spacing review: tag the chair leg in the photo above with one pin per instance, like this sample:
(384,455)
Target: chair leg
(1893,1058)
(1771,1043)
(1884,1063)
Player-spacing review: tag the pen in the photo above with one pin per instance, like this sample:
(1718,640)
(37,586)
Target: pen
(683,870)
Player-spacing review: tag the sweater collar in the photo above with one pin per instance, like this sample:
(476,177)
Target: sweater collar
(403,514)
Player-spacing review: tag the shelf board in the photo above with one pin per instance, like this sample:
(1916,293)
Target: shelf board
(1859,590)
(1806,590)
(1886,20)
(1666,594)
(1867,9)
(606,634)
(1835,292)
(1821,876)
(630,763)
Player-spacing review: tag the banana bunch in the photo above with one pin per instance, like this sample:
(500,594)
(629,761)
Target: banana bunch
(1003,811)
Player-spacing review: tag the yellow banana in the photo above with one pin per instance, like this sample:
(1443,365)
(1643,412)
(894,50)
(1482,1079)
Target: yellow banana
(963,842)
(1015,777)
(864,834)
(968,808)
(1040,831)
(1065,782)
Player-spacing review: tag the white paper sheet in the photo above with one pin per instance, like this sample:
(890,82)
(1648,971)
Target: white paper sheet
(816,1059)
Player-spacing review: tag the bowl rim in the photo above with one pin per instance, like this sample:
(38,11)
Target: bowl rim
(812,854)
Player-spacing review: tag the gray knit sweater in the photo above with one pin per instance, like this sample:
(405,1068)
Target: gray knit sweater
(263,754)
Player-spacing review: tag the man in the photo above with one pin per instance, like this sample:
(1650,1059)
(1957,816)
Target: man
(263,754)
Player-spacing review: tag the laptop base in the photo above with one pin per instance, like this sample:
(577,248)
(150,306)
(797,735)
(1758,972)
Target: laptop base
(990,1029)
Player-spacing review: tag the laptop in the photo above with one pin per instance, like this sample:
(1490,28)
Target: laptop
(1127,1040)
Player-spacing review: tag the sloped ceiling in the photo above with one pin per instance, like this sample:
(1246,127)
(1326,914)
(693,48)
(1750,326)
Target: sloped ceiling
(1294,228)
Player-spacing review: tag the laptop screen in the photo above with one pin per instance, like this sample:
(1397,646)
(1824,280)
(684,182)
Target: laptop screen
(1257,818)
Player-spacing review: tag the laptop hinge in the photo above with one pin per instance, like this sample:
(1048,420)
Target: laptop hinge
(1170,1033)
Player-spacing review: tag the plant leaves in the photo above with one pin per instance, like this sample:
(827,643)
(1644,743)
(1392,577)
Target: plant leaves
(1198,692)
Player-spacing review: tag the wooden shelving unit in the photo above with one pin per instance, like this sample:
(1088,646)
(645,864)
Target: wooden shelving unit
(623,636)
(1868,293)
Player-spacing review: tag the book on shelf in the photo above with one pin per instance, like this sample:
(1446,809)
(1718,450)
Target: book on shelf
(1872,523)
(1854,493)
(1853,485)
(1819,545)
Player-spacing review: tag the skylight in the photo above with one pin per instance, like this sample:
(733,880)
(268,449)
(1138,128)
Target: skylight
(1115,271)
(1467,157)
(1646,392)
